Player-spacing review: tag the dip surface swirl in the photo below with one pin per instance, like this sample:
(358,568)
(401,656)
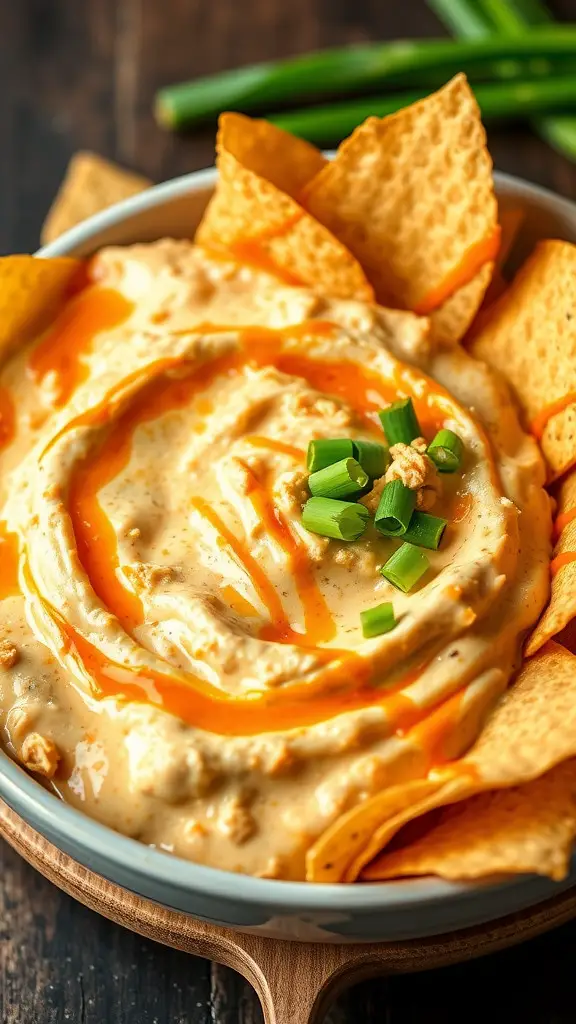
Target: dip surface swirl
(188,659)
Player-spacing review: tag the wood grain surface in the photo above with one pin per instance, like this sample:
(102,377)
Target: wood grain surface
(82,74)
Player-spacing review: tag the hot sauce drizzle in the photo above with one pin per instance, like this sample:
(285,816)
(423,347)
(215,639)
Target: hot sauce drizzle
(9,562)
(7,418)
(563,520)
(561,560)
(276,446)
(540,422)
(320,626)
(205,707)
(190,698)
(473,261)
(279,626)
(71,336)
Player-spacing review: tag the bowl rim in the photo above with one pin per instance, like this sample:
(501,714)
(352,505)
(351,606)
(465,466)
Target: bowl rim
(48,814)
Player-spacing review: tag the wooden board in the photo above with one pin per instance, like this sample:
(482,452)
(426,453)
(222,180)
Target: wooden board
(295,981)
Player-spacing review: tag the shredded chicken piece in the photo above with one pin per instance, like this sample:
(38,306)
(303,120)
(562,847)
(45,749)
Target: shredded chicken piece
(40,754)
(9,654)
(291,490)
(145,575)
(372,499)
(272,869)
(411,465)
(310,403)
(357,557)
(236,821)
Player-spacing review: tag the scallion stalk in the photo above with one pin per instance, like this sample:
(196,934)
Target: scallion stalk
(462,18)
(340,520)
(395,509)
(405,567)
(446,451)
(328,450)
(400,422)
(512,17)
(357,68)
(378,620)
(372,456)
(500,100)
(425,531)
(341,480)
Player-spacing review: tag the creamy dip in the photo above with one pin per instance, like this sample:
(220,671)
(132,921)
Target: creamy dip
(180,658)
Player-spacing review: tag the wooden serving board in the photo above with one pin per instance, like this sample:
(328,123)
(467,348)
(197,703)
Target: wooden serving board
(295,981)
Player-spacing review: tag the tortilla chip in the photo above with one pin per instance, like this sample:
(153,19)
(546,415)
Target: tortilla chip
(562,607)
(526,829)
(258,222)
(510,219)
(411,195)
(329,858)
(31,290)
(530,336)
(450,323)
(532,729)
(284,160)
(91,184)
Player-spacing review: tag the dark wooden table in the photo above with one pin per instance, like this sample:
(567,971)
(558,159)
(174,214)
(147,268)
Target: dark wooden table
(82,74)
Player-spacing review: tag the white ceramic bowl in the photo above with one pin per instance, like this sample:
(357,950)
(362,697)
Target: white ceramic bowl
(387,911)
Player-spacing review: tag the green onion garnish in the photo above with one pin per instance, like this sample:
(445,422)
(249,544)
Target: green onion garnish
(405,567)
(425,531)
(395,509)
(400,422)
(327,451)
(341,520)
(446,451)
(372,456)
(342,480)
(378,620)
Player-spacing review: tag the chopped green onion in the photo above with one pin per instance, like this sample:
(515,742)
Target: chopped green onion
(372,456)
(395,509)
(327,451)
(425,531)
(342,480)
(341,520)
(400,422)
(446,451)
(405,567)
(378,620)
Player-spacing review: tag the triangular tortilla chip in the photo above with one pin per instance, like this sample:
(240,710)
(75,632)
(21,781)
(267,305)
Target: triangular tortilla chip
(510,219)
(562,607)
(525,829)
(284,160)
(532,729)
(31,290)
(411,195)
(91,184)
(258,222)
(530,336)
(450,323)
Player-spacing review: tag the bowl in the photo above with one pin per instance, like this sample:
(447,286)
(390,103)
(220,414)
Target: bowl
(337,913)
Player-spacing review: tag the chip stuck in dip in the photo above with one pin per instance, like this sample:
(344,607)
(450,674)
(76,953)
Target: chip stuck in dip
(276,542)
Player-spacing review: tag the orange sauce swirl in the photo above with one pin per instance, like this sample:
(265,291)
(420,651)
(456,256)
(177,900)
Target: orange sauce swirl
(61,350)
(344,683)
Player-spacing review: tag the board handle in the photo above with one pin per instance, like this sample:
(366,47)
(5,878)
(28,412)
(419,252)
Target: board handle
(295,981)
